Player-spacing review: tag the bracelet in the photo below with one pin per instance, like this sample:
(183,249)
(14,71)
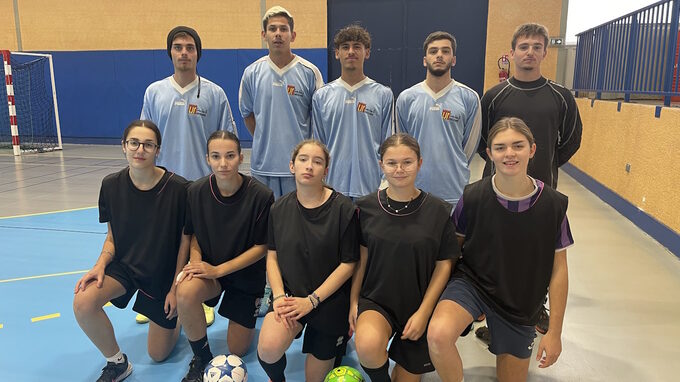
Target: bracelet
(278,297)
(314,302)
(107,252)
(316,296)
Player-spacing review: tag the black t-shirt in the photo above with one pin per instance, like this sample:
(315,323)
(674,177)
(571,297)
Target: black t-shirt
(550,112)
(146,226)
(309,245)
(225,227)
(403,249)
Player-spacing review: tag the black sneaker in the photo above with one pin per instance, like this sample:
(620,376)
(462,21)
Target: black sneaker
(196,369)
(483,334)
(543,321)
(115,372)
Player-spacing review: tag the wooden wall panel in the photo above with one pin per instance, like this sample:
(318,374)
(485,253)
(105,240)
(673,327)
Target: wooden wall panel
(127,24)
(8,34)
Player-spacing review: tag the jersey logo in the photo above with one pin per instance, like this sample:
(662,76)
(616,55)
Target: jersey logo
(291,90)
(363,108)
(193,109)
(446,114)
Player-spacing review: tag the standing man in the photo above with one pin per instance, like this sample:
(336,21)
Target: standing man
(444,116)
(187,109)
(275,100)
(547,108)
(352,116)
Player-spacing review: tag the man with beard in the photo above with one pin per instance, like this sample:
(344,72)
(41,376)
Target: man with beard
(444,116)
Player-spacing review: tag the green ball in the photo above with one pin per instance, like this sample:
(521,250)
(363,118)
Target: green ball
(344,374)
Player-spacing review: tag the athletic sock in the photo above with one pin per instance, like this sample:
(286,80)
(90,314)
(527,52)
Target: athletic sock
(274,370)
(381,374)
(116,358)
(201,349)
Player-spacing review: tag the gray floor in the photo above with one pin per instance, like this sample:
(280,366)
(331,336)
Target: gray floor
(623,314)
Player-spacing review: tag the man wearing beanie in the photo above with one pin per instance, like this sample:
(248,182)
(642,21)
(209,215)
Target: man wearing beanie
(186,108)
(275,100)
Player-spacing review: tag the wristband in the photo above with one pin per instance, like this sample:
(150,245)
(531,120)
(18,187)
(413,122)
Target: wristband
(316,296)
(314,303)
(278,297)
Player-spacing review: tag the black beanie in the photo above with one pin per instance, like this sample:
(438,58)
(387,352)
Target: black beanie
(191,32)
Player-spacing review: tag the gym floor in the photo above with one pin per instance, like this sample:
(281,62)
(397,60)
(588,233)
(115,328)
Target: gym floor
(621,322)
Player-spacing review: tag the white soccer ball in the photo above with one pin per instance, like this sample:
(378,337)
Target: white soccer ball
(226,368)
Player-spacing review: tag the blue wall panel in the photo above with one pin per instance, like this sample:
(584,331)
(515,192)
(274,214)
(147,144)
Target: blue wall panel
(100,92)
(398,29)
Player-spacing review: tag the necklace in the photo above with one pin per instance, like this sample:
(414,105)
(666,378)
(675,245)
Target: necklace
(396,210)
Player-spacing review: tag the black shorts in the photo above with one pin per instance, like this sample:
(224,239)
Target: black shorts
(237,305)
(413,356)
(319,342)
(506,337)
(145,303)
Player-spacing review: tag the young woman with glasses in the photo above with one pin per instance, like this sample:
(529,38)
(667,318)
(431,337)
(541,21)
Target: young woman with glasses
(407,247)
(144,207)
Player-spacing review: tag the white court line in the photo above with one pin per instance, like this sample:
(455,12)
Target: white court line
(42,276)
(47,213)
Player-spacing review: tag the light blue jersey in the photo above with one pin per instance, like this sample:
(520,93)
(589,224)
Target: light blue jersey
(186,122)
(447,126)
(353,121)
(281,100)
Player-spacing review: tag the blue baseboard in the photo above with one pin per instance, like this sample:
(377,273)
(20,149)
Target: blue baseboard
(660,232)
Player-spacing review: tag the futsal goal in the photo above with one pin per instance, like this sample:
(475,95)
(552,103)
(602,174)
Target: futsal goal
(30,122)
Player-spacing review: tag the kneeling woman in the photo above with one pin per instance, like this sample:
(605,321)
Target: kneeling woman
(313,247)
(407,247)
(514,234)
(144,249)
(227,214)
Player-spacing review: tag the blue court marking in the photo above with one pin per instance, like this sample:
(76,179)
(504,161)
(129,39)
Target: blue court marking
(57,349)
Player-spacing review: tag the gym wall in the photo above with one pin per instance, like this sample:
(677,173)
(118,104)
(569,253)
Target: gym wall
(106,53)
(8,34)
(635,136)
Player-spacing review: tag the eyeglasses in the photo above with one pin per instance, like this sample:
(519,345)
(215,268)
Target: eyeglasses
(133,144)
(407,165)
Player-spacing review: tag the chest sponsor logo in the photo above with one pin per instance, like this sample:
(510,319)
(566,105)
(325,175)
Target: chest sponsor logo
(180,102)
(350,101)
(363,108)
(194,110)
(447,115)
(277,83)
(292,91)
